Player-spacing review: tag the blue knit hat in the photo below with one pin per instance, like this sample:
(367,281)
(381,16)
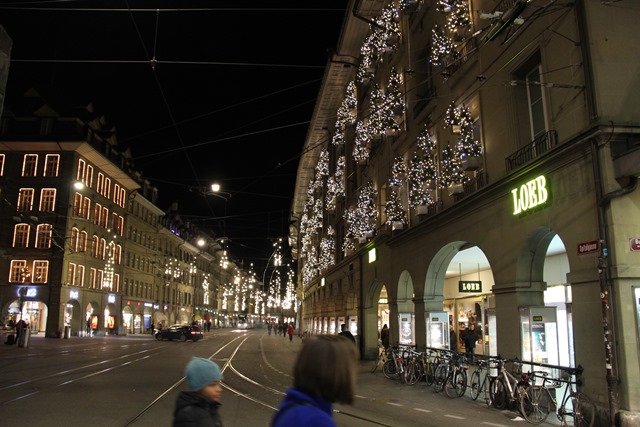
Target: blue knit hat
(201,372)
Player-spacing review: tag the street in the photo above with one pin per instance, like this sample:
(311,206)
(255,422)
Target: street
(134,381)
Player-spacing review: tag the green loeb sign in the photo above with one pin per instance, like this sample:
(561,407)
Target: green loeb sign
(532,194)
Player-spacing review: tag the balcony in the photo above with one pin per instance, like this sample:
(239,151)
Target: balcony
(533,150)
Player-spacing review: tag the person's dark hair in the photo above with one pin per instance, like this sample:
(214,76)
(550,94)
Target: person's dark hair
(327,367)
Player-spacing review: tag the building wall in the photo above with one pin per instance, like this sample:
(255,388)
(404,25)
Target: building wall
(583,82)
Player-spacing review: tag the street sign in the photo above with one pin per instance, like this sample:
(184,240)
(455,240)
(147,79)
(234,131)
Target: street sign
(634,244)
(588,247)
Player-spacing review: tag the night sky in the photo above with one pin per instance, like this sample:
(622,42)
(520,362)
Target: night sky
(212,91)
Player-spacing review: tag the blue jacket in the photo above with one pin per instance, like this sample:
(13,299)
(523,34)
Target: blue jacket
(299,409)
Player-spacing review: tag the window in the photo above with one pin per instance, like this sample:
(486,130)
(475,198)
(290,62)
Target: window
(101,248)
(43,236)
(92,278)
(18,272)
(86,207)
(1,164)
(25,200)
(30,165)
(530,103)
(21,235)
(105,218)
(116,283)
(51,164)
(47,200)
(89,176)
(73,241)
(107,188)
(77,204)
(82,241)
(99,279)
(79,280)
(40,271)
(116,194)
(118,258)
(114,221)
(100,183)
(120,227)
(82,167)
(97,213)
(123,197)
(71,274)
(94,246)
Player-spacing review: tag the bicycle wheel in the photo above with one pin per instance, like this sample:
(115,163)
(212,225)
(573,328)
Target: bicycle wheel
(389,369)
(439,377)
(429,374)
(376,363)
(475,385)
(456,383)
(535,404)
(498,393)
(413,372)
(578,410)
(461,383)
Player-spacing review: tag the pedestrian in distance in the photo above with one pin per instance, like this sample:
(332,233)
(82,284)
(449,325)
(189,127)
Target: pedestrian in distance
(453,339)
(318,382)
(284,330)
(346,333)
(269,327)
(199,407)
(470,337)
(291,330)
(384,336)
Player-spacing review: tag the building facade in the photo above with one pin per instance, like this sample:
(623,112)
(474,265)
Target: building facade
(87,251)
(474,164)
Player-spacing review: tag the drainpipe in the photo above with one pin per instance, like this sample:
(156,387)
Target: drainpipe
(606,289)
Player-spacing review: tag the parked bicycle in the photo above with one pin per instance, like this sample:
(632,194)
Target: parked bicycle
(575,409)
(455,384)
(380,359)
(480,380)
(505,389)
(394,367)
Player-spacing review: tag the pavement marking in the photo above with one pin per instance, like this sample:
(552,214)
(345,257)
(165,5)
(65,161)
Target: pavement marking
(394,404)
(492,424)
(422,410)
(361,397)
(455,416)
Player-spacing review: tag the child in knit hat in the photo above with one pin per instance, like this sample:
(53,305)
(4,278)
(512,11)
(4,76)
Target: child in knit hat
(199,406)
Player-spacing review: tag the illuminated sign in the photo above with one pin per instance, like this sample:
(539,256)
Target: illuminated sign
(372,255)
(467,286)
(74,294)
(28,292)
(530,195)
(111,298)
(537,318)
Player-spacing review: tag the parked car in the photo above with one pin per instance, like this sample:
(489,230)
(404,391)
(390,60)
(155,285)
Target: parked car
(180,332)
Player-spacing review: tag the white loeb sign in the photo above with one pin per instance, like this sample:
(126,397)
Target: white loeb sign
(530,195)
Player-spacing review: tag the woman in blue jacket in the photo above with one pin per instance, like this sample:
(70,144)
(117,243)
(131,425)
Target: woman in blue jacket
(324,373)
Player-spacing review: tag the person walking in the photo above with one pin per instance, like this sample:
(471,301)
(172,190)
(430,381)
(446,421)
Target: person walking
(199,407)
(291,330)
(470,337)
(346,333)
(453,339)
(318,383)
(269,327)
(384,336)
